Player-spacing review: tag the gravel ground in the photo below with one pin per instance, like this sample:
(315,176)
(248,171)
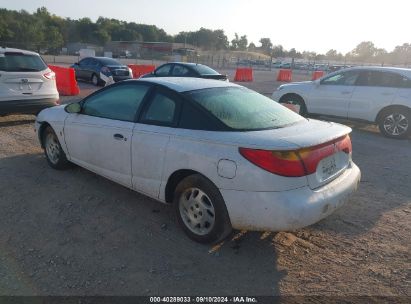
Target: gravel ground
(75,233)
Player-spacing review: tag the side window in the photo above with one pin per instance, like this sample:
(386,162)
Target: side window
(180,70)
(194,119)
(395,80)
(94,62)
(344,78)
(161,110)
(119,102)
(370,79)
(85,61)
(404,82)
(164,70)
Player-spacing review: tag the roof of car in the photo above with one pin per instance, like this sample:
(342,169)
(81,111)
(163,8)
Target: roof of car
(403,71)
(186,63)
(13,50)
(184,84)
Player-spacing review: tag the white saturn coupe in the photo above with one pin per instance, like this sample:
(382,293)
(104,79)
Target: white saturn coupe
(380,95)
(224,156)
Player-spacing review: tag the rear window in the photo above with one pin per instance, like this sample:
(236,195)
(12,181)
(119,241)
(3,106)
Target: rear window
(109,61)
(204,70)
(18,62)
(244,109)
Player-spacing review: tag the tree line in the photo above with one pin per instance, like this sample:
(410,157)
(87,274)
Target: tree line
(47,32)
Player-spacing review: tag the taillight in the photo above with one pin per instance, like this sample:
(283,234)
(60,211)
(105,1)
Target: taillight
(50,75)
(285,163)
(345,144)
(296,163)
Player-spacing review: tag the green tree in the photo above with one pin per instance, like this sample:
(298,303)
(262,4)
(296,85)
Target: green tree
(242,43)
(364,51)
(278,51)
(266,45)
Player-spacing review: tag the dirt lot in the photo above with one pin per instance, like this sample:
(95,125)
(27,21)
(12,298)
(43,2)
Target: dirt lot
(75,233)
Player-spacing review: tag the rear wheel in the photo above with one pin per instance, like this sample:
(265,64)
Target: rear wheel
(201,210)
(55,155)
(395,123)
(296,102)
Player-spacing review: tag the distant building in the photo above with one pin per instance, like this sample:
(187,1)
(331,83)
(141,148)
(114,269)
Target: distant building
(73,48)
(138,49)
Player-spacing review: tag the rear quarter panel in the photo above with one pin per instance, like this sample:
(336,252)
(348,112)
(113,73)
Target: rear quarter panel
(204,156)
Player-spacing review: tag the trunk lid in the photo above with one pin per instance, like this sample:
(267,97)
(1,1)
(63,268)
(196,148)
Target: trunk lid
(119,70)
(23,83)
(320,146)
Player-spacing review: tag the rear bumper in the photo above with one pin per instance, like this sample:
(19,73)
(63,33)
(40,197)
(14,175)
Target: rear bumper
(27,106)
(289,210)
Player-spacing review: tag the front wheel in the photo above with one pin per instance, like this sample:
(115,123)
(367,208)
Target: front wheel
(201,210)
(55,155)
(395,123)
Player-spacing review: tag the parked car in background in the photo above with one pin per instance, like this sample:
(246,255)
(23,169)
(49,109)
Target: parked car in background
(27,85)
(185,69)
(285,65)
(225,156)
(380,95)
(89,69)
(276,64)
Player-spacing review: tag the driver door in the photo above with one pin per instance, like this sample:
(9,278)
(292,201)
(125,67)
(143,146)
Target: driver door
(332,95)
(99,137)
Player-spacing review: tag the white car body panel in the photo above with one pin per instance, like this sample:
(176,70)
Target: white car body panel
(330,99)
(364,105)
(353,102)
(148,148)
(289,210)
(254,197)
(90,143)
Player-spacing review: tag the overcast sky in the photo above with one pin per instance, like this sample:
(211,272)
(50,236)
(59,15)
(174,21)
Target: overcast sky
(316,25)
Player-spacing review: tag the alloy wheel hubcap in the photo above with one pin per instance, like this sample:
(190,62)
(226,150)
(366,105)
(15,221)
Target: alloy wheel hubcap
(396,124)
(94,80)
(197,211)
(52,148)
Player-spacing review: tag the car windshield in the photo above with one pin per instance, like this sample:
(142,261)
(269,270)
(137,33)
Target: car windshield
(109,61)
(243,109)
(19,62)
(204,70)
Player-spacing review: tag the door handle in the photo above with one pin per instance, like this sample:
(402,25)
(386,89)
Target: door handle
(119,137)
(387,93)
(346,92)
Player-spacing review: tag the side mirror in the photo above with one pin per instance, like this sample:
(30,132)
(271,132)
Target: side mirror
(73,108)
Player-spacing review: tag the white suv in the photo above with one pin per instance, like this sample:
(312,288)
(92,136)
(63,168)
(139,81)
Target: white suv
(380,95)
(27,85)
